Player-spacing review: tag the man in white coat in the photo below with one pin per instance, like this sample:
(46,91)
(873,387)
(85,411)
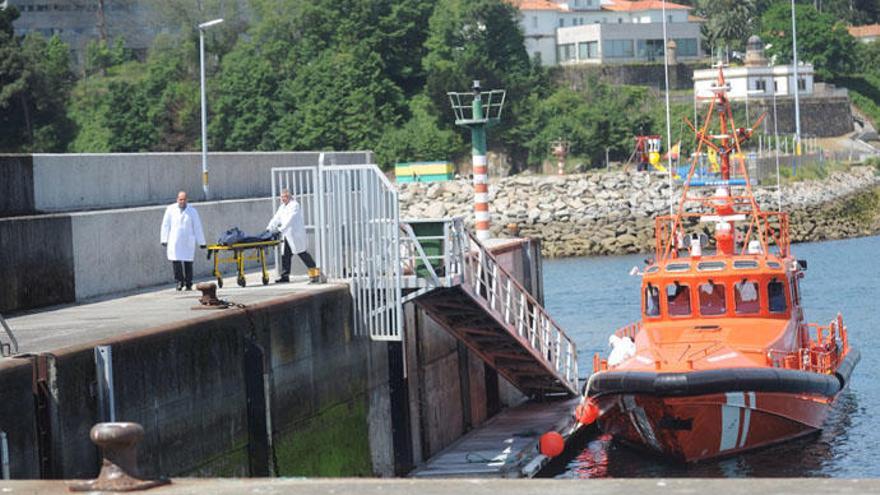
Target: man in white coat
(181,230)
(288,220)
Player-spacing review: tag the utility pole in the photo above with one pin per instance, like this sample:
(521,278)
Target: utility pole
(479,110)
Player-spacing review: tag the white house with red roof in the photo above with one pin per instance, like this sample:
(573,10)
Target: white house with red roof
(606,31)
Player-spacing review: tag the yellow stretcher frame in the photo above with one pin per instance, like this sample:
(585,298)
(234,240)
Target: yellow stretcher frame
(239,256)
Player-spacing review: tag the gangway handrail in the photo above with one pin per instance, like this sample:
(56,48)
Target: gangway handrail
(515,306)
(12,339)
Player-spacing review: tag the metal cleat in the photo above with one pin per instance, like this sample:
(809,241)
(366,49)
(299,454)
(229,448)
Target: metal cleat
(119,470)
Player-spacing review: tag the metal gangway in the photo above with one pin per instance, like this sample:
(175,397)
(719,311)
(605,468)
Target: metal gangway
(352,214)
(463,287)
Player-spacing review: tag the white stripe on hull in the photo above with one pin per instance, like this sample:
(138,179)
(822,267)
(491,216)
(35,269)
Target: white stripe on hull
(481,215)
(735,431)
(481,178)
(479,160)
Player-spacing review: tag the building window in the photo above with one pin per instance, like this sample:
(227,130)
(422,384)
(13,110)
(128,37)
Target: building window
(561,22)
(775,86)
(620,20)
(669,18)
(534,21)
(618,48)
(588,49)
(761,85)
(650,49)
(686,47)
(565,53)
(802,84)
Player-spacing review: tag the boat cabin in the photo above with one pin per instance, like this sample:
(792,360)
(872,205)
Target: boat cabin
(738,286)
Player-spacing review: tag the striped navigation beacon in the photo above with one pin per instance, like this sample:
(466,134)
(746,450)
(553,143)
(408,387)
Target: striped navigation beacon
(478,110)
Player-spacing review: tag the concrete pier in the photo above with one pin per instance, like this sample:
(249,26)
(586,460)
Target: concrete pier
(796,486)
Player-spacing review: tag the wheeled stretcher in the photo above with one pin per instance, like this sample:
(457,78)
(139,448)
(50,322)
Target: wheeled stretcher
(238,254)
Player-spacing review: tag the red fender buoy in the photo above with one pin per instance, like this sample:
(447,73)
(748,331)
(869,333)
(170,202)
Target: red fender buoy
(587,413)
(552,444)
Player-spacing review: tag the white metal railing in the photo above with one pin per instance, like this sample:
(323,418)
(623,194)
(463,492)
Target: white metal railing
(463,259)
(513,305)
(360,239)
(444,267)
(352,213)
(8,349)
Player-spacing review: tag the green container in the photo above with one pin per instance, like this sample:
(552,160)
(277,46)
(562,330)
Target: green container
(430,236)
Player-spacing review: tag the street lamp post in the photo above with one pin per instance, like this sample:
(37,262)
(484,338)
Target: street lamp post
(202,28)
(668,124)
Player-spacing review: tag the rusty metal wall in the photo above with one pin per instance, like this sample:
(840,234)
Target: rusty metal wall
(17,417)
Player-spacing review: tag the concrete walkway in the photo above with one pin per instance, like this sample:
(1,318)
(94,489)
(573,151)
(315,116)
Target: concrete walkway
(781,486)
(70,325)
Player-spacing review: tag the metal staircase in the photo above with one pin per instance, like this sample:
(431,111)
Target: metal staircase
(456,280)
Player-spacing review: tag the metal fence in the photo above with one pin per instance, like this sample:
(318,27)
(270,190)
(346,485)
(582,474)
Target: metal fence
(351,212)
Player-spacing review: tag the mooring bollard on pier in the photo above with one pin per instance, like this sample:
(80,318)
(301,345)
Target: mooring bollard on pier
(119,468)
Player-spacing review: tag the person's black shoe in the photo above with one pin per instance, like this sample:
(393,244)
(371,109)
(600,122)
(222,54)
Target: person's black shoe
(179,285)
(189,286)
(283,280)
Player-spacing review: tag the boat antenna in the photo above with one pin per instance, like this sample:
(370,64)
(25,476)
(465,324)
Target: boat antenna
(776,136)
(668,126)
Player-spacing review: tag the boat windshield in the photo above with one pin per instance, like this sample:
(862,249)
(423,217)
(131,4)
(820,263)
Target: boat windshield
(652,301)
(776,296)
(712,300)
(678,299)
(746,297)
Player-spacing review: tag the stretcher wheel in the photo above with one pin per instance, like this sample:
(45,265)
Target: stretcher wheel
(241,282)
(265,280)
(219,282)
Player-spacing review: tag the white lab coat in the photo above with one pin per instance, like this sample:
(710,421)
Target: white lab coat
(182,230)
(288,220)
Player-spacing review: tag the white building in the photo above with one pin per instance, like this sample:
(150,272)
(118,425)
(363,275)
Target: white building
(756,79)
(606,31)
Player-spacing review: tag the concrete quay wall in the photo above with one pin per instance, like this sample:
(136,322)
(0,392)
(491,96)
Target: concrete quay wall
(281,387)
(44,183)
(67,257)
(199,389)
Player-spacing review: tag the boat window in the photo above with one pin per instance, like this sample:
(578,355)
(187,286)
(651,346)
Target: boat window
(653,269)
(712,300)
(746,297)
(678,300)
(773,264)
(711,266)
(678,267)
(652,301)
(776,296)
(745,264)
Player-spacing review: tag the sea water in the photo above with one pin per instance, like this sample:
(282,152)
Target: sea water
(591,297)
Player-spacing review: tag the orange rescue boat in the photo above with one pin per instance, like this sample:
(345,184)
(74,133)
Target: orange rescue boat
(722,361)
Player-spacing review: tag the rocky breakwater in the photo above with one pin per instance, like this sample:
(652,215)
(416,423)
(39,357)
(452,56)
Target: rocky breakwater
(613,212)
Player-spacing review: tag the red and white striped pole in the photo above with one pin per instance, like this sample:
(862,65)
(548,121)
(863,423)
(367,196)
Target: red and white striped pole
(482,217)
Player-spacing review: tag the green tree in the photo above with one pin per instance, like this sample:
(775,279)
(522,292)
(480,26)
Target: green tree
(591,119)
(421,138)
(728,22)
(35,80)
(340,100)
(822,39)
(481,40)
